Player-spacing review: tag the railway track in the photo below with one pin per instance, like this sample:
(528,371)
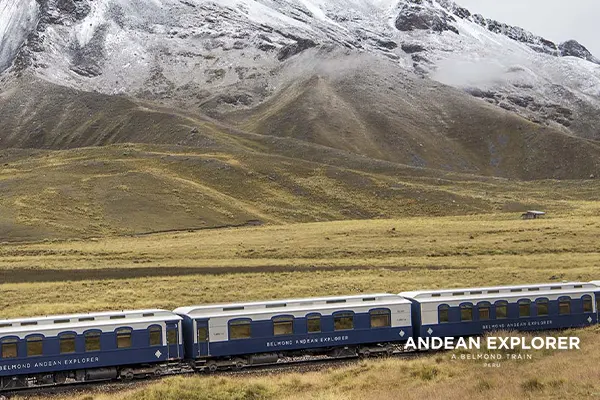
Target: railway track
(296,366)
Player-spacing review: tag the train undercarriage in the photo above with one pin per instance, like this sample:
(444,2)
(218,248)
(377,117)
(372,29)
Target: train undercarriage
(275,358)
(122,373)
(210,365)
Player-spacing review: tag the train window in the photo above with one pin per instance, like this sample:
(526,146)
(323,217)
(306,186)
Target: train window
(381,318)
(92,341)
(313,323)
(444,314)
(524,308)
(172,337)
(577,286)
(542,307)
(484,311)
(202,334)
(234,308)
(62,321)
(155,333)
(9,348)
(150,314)
(436,295)
(458,294)
(240,330)
(283,326)
(35,346)
(276,305)
(343,321)
(123,338)
(501,310)
(369,299)
(30,323)
(335,301)
(516,290)
(493,291)
(67,343)
(588,306)
(466,312)
(86,319)
(5,325)
(564,306)
(117,317)
(534,289)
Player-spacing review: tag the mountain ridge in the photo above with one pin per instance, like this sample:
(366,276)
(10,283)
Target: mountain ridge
(432,69)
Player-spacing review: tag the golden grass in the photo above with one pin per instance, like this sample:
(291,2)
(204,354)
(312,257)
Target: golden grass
(550,374)
(296,260)
(127,189)
(276,261)
(459,241)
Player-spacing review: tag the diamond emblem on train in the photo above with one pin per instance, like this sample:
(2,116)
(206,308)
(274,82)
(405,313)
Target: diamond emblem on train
(402,334)
(158,354)
(430,331)
(589,320)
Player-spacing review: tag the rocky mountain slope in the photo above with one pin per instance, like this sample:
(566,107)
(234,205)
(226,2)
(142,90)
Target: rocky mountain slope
(419,82)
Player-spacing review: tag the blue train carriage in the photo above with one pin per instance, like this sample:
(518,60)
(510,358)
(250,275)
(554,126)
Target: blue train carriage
(238,335)
(597,297)
(88,347)
(474,311)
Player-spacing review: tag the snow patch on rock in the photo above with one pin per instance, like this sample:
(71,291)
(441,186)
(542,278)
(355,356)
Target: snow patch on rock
(17,19)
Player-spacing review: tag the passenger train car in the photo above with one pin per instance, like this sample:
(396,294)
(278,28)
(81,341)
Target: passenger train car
(263,332)
(127,344)
(464,312)
(87,347)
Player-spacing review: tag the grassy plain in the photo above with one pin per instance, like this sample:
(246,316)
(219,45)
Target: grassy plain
(326,258)
(277,261)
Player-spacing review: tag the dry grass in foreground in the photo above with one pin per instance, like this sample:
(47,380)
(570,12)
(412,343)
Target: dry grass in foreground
(548,375)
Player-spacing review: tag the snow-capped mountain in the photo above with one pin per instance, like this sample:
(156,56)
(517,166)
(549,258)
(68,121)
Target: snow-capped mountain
(187,52)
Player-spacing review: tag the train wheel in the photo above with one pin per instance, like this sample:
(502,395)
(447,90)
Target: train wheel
(212,367)
(127,374)
(239,364)
(60,378)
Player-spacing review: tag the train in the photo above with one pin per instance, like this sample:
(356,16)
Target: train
(124,345)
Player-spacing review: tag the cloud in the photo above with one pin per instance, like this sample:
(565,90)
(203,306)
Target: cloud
(466,73)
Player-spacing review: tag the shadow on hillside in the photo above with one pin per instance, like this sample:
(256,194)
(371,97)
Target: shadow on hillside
(62,275)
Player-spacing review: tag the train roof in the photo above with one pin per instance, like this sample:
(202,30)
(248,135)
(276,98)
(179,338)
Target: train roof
(288,302)
(495,292)
(90,320)
(314,304)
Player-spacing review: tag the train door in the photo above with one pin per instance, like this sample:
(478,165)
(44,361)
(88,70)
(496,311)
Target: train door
(173,340)
(202,336)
